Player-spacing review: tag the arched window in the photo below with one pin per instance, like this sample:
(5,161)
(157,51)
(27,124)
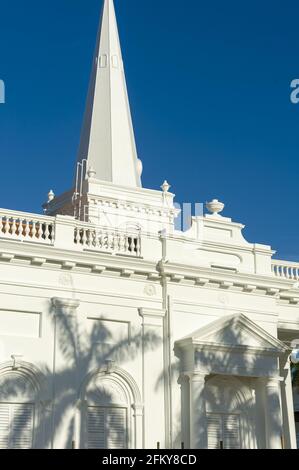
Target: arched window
(18,411)
(108,418)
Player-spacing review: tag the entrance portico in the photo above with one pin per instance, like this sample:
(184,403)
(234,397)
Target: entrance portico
(232,382)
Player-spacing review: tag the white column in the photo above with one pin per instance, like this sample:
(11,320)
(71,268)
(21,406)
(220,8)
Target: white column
(289,426)
(273,414)
(198,420)
(154,374)
(138,418)
(65,310)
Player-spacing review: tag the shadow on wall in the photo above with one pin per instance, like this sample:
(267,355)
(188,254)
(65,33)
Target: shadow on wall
(227,391)
(45,402)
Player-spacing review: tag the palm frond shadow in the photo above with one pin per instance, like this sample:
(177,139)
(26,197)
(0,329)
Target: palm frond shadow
(81,352)
(219,365)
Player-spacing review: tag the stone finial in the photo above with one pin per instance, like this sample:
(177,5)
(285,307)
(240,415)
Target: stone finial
(139,167)
(215,206)
(91,172)
(165,187)
(51,195)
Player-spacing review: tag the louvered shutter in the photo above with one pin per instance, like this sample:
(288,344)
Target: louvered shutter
(231,432)
(106,428)
(16,426)
(4,425)
(225,428)
(116,428)
(96,428)
(21,428)
(214,430)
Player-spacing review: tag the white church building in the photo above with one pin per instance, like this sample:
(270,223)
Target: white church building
(119,331)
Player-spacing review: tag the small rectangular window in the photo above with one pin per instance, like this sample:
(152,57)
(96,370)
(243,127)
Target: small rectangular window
(103,61)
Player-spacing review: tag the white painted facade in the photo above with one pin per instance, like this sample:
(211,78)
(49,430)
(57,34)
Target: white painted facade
(118,331)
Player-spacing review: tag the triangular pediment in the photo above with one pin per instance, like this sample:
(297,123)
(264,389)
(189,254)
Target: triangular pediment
(235,331)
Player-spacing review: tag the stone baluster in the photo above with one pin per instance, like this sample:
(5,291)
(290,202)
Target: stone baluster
(109,241)
(47,231)
(126,243)
(84,237)
(122,243)
(33,230)
(13,227)
(6,226)
(138,246)
(27,229)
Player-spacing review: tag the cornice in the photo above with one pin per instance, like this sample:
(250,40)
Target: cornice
(44,257)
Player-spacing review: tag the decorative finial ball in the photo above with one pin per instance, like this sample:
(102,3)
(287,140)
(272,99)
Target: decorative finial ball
(91,172)
(139,167)
(295,356)
(165,187)
(51,195)
(215,207)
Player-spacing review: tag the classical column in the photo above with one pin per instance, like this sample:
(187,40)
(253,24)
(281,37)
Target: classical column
(183,381)
(289,426)
(273,414)
(153,376)
(138,417)
(65,363)
(198,420)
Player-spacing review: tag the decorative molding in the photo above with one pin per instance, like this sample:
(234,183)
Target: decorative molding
(177,277)
(201,282)
(125,377)
(6,257)
(151,312)
(127,272)
(38,261)
(226,284)
(68,306)
(138,409)
(98,269)
(150,290)
(68,265)
(29,370)
(249,288)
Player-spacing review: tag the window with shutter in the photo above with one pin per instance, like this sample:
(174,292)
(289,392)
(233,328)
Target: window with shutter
(4,426)
(214,431)
(106,428)
(231,431)
(16,426)
(223,428)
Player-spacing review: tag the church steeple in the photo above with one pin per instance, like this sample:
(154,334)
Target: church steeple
(107,138)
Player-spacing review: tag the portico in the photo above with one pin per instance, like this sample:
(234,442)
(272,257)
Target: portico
(233,386)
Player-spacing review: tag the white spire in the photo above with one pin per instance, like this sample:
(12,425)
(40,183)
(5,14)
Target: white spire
(107,139)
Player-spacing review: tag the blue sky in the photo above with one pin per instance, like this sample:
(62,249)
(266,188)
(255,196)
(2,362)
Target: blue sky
(209,85)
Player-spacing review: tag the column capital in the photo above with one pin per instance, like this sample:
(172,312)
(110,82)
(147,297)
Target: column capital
(273,382)
(196,376)
(152,316)
(65,305)
(81,403)
(138,409)
(152,312)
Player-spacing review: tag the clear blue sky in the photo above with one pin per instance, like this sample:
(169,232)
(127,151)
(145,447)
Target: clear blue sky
(209,85)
